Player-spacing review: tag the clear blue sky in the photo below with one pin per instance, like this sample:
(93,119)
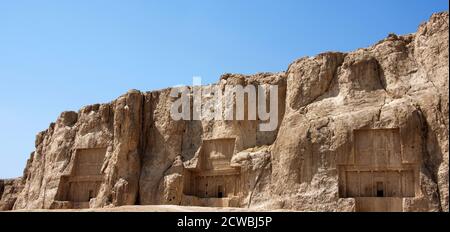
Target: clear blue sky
(61,55)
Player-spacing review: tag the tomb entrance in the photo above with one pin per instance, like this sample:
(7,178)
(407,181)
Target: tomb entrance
(377,176)
(214,177)
(84,182)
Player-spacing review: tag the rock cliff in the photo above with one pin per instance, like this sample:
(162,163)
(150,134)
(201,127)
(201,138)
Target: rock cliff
(359,131)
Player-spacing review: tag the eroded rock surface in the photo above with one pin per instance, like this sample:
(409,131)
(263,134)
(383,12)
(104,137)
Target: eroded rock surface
(9,190)
(359,131)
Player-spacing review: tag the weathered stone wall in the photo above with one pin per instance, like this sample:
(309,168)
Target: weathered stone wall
(399,83)
(9,190)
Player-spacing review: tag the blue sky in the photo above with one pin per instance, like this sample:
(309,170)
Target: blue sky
(61,55)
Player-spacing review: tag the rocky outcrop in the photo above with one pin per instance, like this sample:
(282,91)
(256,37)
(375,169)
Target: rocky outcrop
(389,85)
(9,190)
(130,151)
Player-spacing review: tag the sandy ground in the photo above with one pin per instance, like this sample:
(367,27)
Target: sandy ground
(150,208)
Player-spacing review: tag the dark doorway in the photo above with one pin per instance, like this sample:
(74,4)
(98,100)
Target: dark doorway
(220,191)
(380,189)
(91,194)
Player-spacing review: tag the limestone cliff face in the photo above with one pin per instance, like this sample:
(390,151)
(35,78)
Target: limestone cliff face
(401,82)
(9,189)
(395,92)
